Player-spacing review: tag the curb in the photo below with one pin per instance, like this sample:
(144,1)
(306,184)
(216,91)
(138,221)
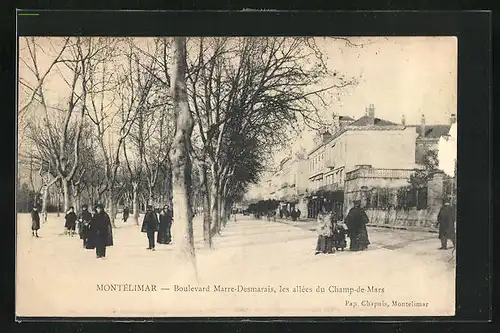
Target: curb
(391,227)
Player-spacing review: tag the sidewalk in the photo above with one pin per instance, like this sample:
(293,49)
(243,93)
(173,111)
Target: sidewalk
(311,223)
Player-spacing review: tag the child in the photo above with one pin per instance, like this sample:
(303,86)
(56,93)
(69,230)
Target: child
(339,236)
(71,221)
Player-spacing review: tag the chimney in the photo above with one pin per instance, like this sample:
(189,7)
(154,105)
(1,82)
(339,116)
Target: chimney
(326,136)
(453,119)
(371,111)
(422,126)
(336,123)
(403,120)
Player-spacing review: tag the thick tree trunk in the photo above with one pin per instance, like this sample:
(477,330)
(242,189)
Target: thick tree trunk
(76,197)
(182,227)
(150,196)
(65,186)
(223,212)
(45,194)
(215,213)
(135,202)
(205,196)
(111,208)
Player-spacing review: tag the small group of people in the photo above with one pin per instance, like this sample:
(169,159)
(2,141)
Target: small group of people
(160,222)
(332,234)
(95,230)
(294,214)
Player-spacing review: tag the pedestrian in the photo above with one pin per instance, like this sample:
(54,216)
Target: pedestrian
(164,234)
(70,221)
(100,233)
(446,223)
(326,224)
(84,224)
(298,214)
(126,214)
(35,222)
(293,214)
(356,222)
(150,226)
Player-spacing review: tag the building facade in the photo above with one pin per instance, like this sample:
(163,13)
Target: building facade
(368,141)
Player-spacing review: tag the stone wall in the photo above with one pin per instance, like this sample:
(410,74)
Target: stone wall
(422,219)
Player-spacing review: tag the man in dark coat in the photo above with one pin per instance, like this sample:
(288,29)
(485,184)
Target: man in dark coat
(35,222)
(71,221)
(446,223)
(101,232)
(356,222)
(164,230)
(150,226)
(84,224)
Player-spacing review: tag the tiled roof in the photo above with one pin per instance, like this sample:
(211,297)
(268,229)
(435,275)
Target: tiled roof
(367,121)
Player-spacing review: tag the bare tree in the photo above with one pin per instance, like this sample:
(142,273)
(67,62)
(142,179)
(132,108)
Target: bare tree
(266,84)
(180,155)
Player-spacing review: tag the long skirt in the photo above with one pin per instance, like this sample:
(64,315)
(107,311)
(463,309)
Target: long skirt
(164,236)
(324,244)
(359,240)
(35,225)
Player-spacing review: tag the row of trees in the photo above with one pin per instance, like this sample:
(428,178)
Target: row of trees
(188,121)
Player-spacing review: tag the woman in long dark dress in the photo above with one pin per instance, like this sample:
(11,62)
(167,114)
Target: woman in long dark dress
(71,221)
(164,235)
(326,225)
(100,233)
(35,222)
(84,224)
(356,222)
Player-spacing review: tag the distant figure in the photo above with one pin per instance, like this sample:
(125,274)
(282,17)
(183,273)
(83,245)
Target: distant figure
(125,214)
(356,222)
(150,226)
(100,233)
(281,213)
(298,214)
(70,221)
(326,224)
(35,222)
(164,235)
(293,214)
(84,224)
(446,223)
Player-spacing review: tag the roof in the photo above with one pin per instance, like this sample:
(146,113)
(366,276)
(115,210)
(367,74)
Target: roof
(433,131)
(367,121)
(345,118)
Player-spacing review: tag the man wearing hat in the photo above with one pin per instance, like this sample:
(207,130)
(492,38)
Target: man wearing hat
(446,223)
(84,223)
(35,222)
(101,232)
(150,226)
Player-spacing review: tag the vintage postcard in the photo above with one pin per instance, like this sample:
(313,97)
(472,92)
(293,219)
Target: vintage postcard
(236,176)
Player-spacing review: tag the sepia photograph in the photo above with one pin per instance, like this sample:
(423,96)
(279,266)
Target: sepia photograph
(236,176)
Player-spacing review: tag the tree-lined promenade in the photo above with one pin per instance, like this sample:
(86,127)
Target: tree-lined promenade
(187,121)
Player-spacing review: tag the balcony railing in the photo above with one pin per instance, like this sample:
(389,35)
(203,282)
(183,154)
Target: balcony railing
(378,173)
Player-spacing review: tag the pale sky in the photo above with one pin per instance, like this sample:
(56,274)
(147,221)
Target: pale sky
(400,75)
